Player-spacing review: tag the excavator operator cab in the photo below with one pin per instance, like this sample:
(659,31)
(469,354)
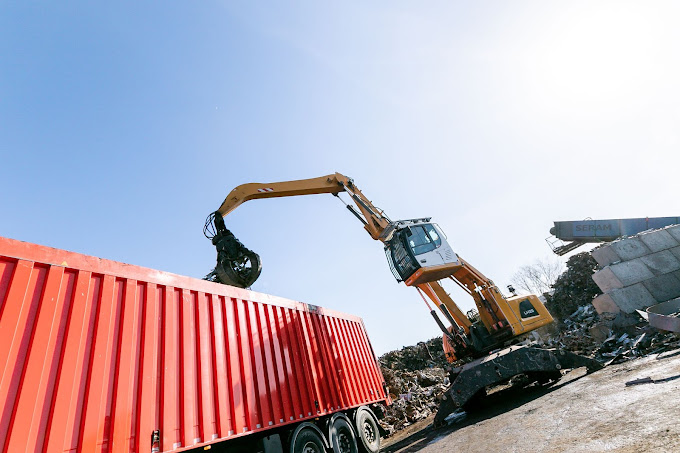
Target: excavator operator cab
(419,246)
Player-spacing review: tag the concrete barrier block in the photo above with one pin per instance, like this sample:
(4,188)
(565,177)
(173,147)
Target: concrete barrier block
(605,304)
(674,231)
(663,262)
(658,240)
(631,298)
(663,287)
(676,252)
(630,248)
(631,272)
(606,280)
(605,255)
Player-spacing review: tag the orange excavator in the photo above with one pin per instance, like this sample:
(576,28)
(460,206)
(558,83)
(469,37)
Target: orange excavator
(419,255)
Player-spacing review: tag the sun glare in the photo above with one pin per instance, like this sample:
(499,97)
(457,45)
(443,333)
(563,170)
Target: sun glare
(602,60)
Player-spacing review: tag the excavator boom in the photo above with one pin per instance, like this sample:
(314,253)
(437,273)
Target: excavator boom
(374,220)
(251,191)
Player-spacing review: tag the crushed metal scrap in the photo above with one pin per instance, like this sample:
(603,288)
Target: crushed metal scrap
(609,338)
(416,378)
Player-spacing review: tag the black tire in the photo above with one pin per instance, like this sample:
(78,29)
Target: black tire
(367,431)
(342,437)
(307,441)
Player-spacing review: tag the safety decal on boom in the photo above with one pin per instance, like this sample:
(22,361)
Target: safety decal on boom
(265,190)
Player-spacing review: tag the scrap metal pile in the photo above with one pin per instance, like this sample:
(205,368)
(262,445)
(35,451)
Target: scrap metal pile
(416,377)
(609,339)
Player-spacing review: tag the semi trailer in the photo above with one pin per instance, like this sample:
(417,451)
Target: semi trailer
(101,356)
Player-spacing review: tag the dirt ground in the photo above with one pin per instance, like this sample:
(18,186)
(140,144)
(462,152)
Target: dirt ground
(579,413)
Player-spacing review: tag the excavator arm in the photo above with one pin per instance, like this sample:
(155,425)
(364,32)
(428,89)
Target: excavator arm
(374,220)
(240,266)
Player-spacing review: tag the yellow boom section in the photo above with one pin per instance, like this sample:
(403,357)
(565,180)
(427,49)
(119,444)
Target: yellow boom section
(256,190)
(375,221)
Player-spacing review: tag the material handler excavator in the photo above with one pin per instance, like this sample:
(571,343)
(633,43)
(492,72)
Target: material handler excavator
(419,255)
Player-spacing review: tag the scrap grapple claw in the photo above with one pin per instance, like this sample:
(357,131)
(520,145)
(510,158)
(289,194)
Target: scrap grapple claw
(236,265)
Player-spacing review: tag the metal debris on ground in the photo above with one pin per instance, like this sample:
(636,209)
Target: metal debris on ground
(644,380)
(649,380)
(455,417)
(664,316)
(609,339)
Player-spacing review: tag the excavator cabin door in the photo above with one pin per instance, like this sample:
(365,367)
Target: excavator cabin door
(418,246)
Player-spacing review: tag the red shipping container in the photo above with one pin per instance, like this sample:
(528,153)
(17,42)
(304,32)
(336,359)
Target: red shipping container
(97,355)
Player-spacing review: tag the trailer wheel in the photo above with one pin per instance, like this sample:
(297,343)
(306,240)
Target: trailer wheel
(342,437)
(308,441)
(367,429)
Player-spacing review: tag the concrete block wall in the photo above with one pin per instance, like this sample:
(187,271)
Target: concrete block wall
(638,271)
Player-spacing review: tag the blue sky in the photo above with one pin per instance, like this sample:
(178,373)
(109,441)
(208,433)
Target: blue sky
(122,125)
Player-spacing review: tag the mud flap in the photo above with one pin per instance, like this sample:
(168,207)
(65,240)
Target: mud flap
(500,366)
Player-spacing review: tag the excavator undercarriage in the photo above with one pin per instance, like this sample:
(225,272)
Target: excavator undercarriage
(470,380)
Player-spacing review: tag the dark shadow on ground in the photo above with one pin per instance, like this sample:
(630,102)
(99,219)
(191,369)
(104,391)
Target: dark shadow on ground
(663,355)
(668,379)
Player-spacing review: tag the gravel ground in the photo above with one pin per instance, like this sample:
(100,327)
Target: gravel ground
(580,413)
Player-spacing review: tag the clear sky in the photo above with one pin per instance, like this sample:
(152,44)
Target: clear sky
(123,124)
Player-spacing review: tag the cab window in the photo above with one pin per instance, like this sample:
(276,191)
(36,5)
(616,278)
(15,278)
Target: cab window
(420,241)
(432,232)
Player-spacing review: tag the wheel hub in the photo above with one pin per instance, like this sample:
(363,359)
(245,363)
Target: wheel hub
(310,447)
(369,433)
(344,443)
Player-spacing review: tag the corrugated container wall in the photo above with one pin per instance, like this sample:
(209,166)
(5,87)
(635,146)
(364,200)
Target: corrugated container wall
(97,355)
